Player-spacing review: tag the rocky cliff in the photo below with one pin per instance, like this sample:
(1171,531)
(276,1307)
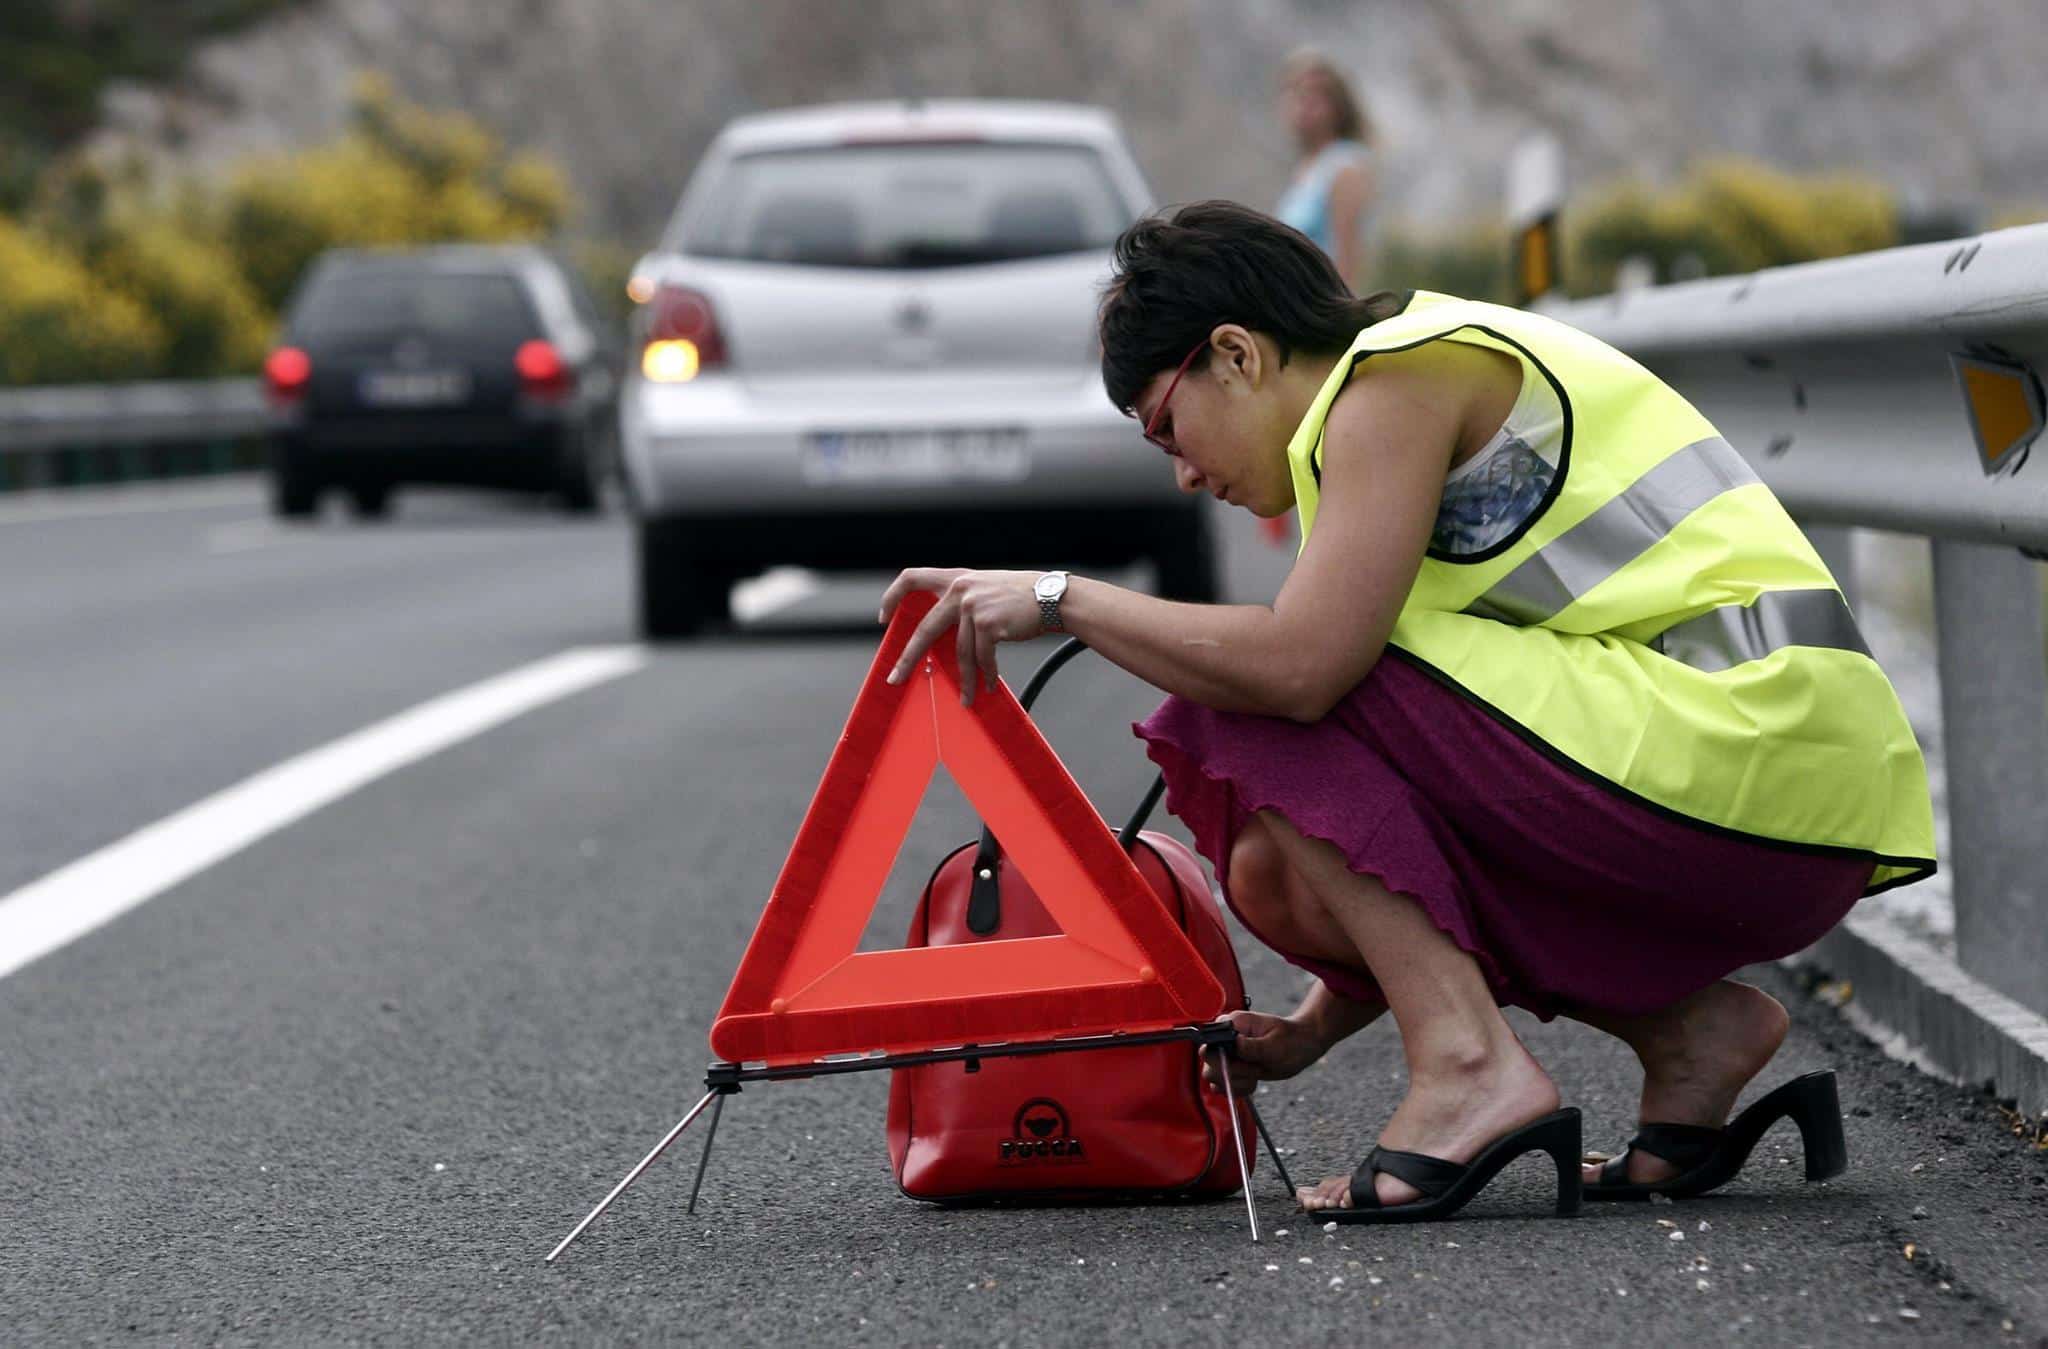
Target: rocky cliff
(1933,99)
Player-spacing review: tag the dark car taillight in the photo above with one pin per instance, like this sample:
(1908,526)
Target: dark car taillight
(286,372)
(542,372)
(682,337)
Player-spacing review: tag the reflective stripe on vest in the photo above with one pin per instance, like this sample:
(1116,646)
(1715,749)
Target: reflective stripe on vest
(1625,528)
(1723,638)
(1615,535)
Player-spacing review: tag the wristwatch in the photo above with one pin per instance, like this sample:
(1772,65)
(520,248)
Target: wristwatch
(1049,588)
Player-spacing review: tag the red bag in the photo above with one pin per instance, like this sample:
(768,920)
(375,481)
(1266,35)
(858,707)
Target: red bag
(1092,1124)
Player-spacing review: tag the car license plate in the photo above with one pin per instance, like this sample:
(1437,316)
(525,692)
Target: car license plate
(923,456)
(413,388)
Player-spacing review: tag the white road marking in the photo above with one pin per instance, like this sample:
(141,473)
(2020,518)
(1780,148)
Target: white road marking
(772,590)
(48,913)
(241,536)
(84,503)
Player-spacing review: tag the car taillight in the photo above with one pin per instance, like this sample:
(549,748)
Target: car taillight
(542,371)
(286,371)
(683,338)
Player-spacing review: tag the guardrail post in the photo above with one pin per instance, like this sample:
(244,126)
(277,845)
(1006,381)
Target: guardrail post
(1994,706)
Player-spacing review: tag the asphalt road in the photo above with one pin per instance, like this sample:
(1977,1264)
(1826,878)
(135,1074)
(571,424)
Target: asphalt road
(352,1082)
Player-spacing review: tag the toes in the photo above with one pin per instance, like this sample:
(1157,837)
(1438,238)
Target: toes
(1332,1192)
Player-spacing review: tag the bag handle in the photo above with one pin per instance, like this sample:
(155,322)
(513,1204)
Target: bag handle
(985,900)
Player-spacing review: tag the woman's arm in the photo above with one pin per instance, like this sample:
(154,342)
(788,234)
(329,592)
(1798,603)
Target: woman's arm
(1350,194)
(1387,447)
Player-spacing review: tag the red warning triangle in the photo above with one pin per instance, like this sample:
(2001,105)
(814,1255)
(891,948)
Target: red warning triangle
(804,991)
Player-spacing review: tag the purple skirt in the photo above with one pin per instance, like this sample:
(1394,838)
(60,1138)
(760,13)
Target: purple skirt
(1568,894)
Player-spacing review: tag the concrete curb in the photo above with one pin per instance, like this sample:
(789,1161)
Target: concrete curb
(1920,1005)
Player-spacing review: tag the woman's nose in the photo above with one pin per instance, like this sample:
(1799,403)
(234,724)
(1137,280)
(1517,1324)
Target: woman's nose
(1187,475)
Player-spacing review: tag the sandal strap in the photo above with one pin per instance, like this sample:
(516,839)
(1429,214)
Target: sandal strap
(1431,1175)
(1683,1145)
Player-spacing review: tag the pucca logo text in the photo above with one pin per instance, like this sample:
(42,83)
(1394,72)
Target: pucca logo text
(1041,1131)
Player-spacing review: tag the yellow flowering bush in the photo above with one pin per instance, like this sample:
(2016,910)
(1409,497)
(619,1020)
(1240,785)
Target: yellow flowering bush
(401,175)
(1729,215)
(108,276)
(59,322)
(212,321)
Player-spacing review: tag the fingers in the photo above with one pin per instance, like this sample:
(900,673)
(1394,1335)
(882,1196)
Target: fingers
(913,579)
(985,642)
(1244,1077)
(943,615)
(965,650)
(977,604)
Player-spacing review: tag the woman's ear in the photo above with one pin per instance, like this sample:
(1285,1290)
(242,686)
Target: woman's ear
(1239,351)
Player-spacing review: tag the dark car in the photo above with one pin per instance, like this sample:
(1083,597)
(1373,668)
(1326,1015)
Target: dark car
(480,366)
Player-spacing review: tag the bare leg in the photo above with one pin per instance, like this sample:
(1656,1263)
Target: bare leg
(1285,914)
(1697,1056)
(1469,1078)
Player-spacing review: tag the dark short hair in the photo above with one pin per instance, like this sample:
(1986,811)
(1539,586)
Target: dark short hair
(1180,275)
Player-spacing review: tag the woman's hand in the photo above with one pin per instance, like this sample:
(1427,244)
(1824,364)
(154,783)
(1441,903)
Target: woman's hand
(1269,1049)
(988,606)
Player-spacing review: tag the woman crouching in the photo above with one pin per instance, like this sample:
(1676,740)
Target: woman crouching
(1556,709)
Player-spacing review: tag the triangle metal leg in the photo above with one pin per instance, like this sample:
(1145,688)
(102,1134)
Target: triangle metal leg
(1244,1169)
(1285,1180)
(634,1174)
(704,1159)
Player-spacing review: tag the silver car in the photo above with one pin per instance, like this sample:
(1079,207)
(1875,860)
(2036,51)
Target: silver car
(868,341)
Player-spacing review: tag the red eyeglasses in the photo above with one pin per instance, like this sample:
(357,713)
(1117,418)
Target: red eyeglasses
(1152,425)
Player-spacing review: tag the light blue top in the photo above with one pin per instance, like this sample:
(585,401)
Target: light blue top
(1306,202)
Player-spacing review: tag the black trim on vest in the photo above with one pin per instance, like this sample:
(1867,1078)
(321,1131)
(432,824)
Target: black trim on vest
(1927,866)
(1564,454)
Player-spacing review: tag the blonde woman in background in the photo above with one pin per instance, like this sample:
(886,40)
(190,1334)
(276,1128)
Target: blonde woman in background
(1330,198)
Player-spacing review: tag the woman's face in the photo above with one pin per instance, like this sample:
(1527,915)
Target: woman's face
(1308,107)
(1226,423)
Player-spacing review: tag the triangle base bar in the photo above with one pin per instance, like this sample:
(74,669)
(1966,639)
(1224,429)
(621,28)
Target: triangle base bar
(722,1076)
(723,1079)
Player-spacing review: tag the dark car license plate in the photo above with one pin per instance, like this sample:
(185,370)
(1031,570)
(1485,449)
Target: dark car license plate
(413,388)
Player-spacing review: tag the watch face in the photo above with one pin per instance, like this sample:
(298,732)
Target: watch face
(1050,586)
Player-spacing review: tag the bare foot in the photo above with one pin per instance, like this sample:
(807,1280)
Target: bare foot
(1697,1057)
(1452,1113)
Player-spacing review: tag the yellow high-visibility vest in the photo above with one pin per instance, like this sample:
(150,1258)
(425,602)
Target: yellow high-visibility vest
(1659,624)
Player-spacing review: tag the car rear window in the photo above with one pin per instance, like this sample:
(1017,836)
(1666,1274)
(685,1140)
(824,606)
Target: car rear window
(906,205)
(352,302)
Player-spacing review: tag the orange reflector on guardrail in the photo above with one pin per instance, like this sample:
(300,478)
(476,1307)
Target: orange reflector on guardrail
(2005,406)
(803,991)
(1536,260)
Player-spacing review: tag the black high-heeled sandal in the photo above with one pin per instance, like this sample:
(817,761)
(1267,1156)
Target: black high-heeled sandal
(1708,1158)
(1449,1186)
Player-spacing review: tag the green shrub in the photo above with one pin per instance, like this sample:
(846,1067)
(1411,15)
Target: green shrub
(184,281)
(402,175)
(278,214)
(213,322)
(1471,262)
(605,269)
(59,322)
(1729,215)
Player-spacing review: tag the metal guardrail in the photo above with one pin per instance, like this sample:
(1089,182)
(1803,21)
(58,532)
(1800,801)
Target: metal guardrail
(1900,391)
(86,432)
(1852,379)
